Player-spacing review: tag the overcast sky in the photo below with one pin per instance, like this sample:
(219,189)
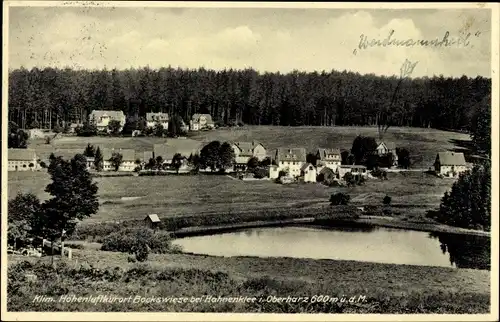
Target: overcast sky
(264,39)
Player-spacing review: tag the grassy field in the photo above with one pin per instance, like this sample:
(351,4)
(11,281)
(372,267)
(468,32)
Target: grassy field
(124,198)
(388,288)
(70,145)
(423,144)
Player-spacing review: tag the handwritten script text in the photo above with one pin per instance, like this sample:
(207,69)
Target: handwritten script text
(446,41)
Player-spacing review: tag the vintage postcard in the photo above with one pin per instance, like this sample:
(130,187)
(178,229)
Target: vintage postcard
(250,161)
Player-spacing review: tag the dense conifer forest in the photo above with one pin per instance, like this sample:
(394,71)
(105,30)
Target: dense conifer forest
(49,96)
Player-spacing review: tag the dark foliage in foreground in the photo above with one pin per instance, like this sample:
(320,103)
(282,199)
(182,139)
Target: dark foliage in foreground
(26,279)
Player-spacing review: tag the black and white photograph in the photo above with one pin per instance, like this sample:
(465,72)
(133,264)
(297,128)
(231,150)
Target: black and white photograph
(284,161)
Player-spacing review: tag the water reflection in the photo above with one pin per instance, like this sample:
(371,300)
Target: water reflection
(465,251)
(353,242)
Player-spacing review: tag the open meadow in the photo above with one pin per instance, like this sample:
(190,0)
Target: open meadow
(126,198)
(422,143)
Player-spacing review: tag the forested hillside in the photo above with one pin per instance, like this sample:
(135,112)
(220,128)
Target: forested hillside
(50,96)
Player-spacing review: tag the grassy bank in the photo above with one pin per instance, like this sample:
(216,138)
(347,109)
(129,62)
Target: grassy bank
(387,288)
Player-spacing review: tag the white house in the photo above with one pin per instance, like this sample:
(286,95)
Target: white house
(329,158)
(450,164)
(128,159)
(290,160)
(153,118)
(201,121)
(274,172)
(101,118)
(243,151)
(309,172)
(356,170)
(384,148)
(22,160)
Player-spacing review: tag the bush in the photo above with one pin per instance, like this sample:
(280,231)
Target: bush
(339,199)
(130,240)
(141,252)
(260,173)
(387,200)
(378,173)
(57,128)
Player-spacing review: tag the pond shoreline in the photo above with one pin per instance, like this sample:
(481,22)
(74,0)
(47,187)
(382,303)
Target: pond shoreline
(387,222)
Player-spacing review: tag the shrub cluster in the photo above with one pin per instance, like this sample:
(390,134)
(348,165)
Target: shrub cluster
(135,240)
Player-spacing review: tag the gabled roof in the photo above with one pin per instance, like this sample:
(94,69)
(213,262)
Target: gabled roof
(21,154)
(305,166)
(291,154)
(326,170)
(196,118)
(152,117)
(450,158)
(388,145)
(246,148)
(325,154)
(116,115)
(153,218)
(127,154)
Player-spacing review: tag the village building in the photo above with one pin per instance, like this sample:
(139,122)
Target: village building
(384,148)
(329,158)
(274,172)
(90,163)
(309,172)
(450,164)
(290,160)
(22,160)
(356,170)
(128,159)
(167,152)
(102,118)
(153,118)
(152,221)
(243,151)
(201,121)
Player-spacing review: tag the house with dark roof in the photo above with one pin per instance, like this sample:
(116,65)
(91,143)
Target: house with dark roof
(243,151)
(128,159)
(329,158)
(450,164)
(290,160)
(102,118)
(201,121)
(22,160)
(153,118)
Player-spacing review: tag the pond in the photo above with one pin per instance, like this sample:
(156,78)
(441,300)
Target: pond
(360,243)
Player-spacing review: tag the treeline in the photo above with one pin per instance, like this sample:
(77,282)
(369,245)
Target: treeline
(46,97)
